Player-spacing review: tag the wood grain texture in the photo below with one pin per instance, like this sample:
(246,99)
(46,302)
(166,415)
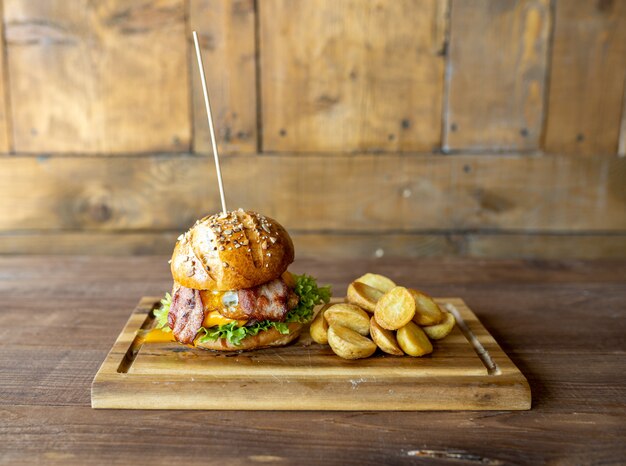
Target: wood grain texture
(226,30)
(546,246)
(98,77)
(355,75)
(5,112)
(306,376)
(53,340)
(496,74)
(621,147)
(398,193)
(336,245)
(588,75)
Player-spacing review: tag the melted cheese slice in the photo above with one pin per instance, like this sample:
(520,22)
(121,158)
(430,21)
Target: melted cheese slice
(215,319)
(158,336)
(213,302)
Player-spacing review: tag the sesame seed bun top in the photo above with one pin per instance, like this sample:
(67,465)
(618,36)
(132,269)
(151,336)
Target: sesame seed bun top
(239,249)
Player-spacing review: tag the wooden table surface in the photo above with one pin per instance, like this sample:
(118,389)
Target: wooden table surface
(562,323)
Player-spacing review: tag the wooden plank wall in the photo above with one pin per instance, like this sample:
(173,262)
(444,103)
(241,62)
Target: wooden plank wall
(496,75)
(588,69)
(89,77)
(228,41)
(370,128)
(352,75)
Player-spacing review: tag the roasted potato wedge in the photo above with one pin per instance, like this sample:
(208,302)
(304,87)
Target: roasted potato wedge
(349,344)
(427,311)
(439,331)
(413,340)
(319,327)
(364,295)
(395,308)
(380,282)
(350,316)
(384,339)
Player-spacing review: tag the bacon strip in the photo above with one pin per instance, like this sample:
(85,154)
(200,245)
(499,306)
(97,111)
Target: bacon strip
(270,301)
(186,314)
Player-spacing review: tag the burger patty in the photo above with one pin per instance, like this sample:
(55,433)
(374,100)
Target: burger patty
(269,301)
(186,314)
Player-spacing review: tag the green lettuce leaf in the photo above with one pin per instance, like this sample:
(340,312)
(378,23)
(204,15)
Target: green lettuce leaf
(231,332)
(309,294)
(161,313)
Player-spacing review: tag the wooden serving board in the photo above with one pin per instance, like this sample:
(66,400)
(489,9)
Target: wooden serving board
(466,371)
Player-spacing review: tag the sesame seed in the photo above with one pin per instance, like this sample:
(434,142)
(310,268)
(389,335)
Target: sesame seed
(228,232)
(272,239)
(222,248)
(267,265)
(225,264)
(269,254)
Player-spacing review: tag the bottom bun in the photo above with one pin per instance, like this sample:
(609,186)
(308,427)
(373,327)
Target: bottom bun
(264,339)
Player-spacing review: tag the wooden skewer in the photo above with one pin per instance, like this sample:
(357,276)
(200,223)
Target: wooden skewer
(207,104)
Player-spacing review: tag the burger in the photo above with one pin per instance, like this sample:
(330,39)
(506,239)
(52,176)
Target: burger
(232,290)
